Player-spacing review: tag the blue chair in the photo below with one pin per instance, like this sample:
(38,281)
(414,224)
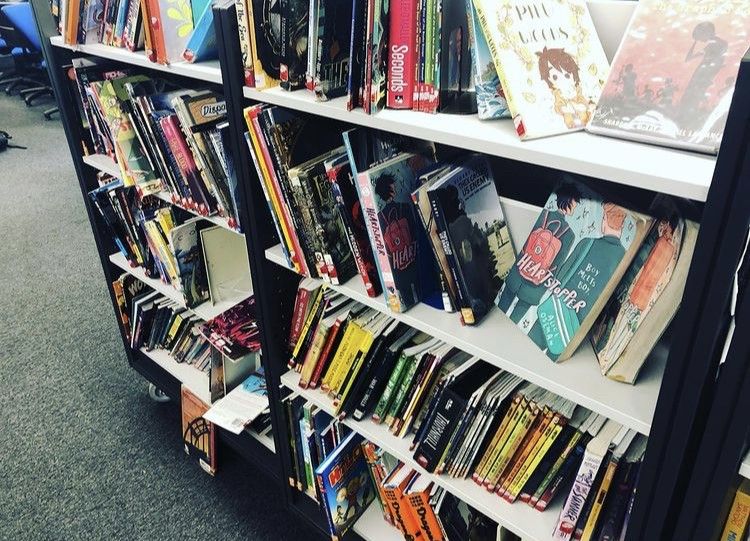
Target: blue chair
(21,16)
(24,60)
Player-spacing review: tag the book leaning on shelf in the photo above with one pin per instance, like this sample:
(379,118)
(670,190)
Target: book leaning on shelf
(165,140)
(168,31)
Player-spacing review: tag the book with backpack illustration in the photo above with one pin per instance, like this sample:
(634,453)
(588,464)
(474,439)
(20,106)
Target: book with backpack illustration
(576,253)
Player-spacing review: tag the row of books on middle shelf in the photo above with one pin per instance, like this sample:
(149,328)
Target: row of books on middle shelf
(164,138)
(201,261)
(589,463)
(423,227)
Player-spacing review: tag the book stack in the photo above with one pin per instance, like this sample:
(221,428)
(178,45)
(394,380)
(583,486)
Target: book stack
(165,140)
(465,418)
(169,31)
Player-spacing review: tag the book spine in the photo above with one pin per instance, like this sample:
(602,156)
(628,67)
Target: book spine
(390,387)
(310,320)
(342,353)
(437,436)
(367,68)
(424,516)
(511,446)
(401,391)
(347,360)
(545,442)
(571,447)
(301,305)
(313,354)
(372,220)
(333,339)
(403,523)
(184,161)
(538,428)
(401,53)
(601,496)
(245,45)
(467,314)
(577,497)
(737,519)
(568,468)
(324,506)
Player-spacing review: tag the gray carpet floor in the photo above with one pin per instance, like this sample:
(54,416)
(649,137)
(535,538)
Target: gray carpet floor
(84,453)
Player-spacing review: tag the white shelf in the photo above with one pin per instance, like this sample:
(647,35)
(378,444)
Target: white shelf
(498,341)
(518,517)
(372,526)
(265,440)
(107,165)
(205,71)
(664,170)
(195,380)
(745,467)
(205,311)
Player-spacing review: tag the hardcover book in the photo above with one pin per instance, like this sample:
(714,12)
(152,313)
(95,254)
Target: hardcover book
(673,77)
(551,64)
(344,483)
(474,234)
(576,253)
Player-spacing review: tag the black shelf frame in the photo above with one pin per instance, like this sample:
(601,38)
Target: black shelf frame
(695,410)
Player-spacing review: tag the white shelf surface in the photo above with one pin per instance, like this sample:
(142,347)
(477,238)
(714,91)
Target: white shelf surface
(266,440)
(372,526)
(204,71)
(498,341)
(107,165)
(205,311)
(518,517)
(195,380)
(674,172)
(745,467)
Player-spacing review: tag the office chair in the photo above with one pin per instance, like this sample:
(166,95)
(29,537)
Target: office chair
(21,17)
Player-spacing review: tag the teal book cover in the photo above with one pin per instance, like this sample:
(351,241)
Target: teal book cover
(568,267)
(344,484)
(202,43)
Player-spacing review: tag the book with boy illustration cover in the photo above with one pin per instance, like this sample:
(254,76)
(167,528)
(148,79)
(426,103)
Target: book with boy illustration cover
(344,485)
(397,236)
(551,64)
(673,77)
(576,253)
(474,234)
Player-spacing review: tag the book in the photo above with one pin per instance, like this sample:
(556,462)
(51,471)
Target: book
(454,90)
(344,484)
(199,435)
(550,62)
(736,524)
(333,34)
(243,33)
(176,28)
(474,234)
(202,43)
(293,43)
(265,43)
(571,262)
(377,72)
(673,77)
(490,98)
(646,299)
(402,57)
(397,238)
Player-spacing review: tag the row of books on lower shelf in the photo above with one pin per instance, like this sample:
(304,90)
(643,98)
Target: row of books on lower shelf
(202,261)
(595,475)
(420,224)
(163,138)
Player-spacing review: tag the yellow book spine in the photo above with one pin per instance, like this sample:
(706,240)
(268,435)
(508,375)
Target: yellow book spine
(360,355)
(601,495)
(341,350)
(358,337)
(308,322)
(511,446)
(553,431)
(497,454)
(481,468)
(313,354)
(164,254)
(738,516)
(525,454)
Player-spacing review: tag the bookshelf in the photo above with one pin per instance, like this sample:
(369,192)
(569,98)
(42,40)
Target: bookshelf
(195,380)
(670,394)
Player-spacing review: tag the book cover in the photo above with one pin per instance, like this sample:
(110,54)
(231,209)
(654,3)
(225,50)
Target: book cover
(402,58)
(345,486)
(185,243)
(455,93)
(624,334)
(490,98)
(576,253)
(467,210)
(357,54)
(551,64)
(202,43)
(350,210)
(265,40)
(176,28)
(378,54)
(333,36)
(198,435)
(397,236)
(294,22)
(243,31)
(673,77)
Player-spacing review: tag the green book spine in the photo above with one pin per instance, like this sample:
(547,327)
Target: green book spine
(387,396)
(401,392)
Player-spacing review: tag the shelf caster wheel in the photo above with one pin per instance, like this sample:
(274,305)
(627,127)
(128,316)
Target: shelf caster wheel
(156,394)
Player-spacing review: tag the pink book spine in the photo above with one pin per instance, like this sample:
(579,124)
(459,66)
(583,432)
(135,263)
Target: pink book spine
(401,54)
(571,511)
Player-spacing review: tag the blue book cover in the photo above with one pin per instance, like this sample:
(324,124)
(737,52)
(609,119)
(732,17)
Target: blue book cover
(201,45)
(345,486)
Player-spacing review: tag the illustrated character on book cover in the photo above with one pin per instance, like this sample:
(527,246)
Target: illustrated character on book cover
(638,291)
(673,77)
(560,71)
(564,267)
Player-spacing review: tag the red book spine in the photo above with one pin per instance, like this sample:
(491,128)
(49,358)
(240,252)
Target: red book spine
(298,318)
(185,161)
(324,354)
(401,55)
